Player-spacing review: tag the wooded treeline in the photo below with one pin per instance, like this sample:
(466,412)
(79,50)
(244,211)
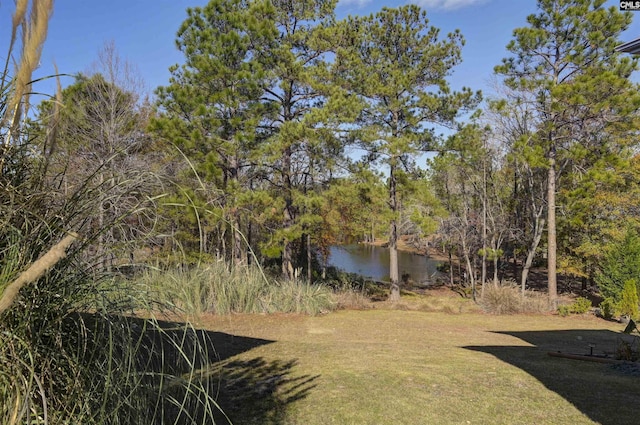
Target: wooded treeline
(286,131)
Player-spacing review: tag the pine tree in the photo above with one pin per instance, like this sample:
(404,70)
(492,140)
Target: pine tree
(301,151)
(620,269)
(254,108)
(212,108)
(397,65)
(566,60)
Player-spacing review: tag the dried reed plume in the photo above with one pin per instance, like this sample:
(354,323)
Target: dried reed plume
(34,32)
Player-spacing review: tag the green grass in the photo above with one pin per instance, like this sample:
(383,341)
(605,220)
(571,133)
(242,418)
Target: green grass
(383,366)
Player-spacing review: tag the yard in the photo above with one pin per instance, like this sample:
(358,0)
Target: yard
(389,366)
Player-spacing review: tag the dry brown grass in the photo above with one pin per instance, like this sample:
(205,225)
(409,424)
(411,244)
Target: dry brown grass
(350,299)
(508,299)
(440,301)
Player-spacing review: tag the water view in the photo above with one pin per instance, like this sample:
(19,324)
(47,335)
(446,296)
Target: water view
(373,262)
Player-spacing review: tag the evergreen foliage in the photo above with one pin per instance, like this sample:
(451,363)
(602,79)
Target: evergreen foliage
(254,110)
(397,66)
(628,304)
(578,85)
(620,267)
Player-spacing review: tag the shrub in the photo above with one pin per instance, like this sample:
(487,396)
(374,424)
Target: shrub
(351,299)
(580,306)
(628,304)
(503,299)
(68,353)
(564,310)
(620,265)
(508,299)
(608,308)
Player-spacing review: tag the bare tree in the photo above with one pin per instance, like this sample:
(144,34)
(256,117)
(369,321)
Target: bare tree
(101,137)
(514,124)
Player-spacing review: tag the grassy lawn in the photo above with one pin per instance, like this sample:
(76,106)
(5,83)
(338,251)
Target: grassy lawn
(386,366)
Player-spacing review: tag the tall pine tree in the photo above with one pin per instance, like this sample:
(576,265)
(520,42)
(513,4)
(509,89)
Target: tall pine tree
(397,65)
(566,60)
(212,108)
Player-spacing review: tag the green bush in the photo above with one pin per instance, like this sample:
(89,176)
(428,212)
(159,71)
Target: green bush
(628,304)
(564,310)
(608,308)
(621,264)
(580,306)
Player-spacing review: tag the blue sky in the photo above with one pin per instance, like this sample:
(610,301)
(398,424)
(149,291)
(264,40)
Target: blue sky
(144,33)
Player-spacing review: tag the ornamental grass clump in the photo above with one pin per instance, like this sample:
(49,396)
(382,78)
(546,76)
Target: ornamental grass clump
(217,288)
(71,351)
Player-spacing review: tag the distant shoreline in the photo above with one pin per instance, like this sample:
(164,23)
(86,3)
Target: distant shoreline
(430,252)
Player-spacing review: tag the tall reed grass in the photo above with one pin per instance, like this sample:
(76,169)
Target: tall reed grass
(221,289)
(70,351)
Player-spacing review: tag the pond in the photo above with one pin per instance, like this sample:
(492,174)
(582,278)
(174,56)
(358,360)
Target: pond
(373,262)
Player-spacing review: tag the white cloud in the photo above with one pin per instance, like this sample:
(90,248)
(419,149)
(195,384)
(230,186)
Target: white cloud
(444,4)
(358,3)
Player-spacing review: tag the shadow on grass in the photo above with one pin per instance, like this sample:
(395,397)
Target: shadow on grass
(169,354)
(606,393)
(257,391)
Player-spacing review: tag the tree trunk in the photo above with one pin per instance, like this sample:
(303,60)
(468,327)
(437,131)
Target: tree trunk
(287,250)
(484,268)
(537,235)
(249,249)
(372,236)
(393,267)
(309,258)
(450,268)
(223,245)
(238,258)
(237,248)
(393,238)
(287,263)
(484,225)
(470,273)
(551,229)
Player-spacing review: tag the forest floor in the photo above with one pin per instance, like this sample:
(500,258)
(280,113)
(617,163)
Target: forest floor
(452,365)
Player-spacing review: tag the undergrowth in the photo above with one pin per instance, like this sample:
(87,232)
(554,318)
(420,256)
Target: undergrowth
(508,299)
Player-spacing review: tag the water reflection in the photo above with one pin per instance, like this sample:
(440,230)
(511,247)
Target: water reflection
(373,262)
